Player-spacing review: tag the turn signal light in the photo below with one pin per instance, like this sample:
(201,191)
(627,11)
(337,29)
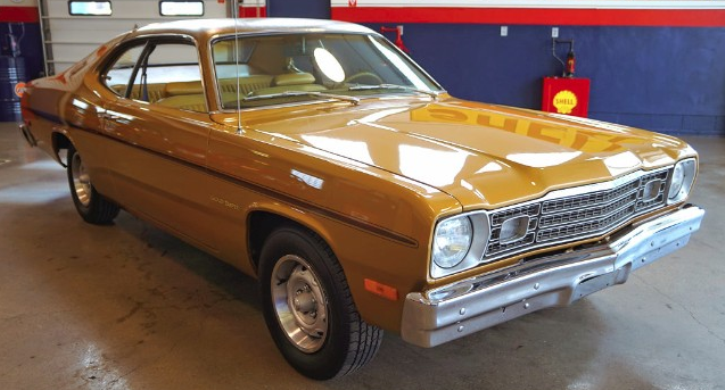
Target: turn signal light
(514,229)
(383,290)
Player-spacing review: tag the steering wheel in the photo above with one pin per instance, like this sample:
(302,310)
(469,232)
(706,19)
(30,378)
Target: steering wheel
(362,74)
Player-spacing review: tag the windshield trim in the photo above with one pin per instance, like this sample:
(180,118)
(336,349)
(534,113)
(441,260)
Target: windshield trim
(397,95)
(230,36)
(319,95)
(387,87)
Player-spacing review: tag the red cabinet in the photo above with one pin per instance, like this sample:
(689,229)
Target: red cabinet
(566,95)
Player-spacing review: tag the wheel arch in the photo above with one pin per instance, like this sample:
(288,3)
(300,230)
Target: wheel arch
(262,221)
(60,141)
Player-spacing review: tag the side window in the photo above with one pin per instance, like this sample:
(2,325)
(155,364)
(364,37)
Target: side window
(167,74)
(118,74)
(170,76)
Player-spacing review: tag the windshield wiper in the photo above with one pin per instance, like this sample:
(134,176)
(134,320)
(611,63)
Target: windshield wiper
(365,87)
(320,95)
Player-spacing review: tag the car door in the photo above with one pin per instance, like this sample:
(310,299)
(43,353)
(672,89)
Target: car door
(159,122)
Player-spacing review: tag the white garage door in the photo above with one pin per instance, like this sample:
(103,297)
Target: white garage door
(72,29)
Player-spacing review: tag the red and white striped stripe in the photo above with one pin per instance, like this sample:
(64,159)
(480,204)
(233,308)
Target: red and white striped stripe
(679,13)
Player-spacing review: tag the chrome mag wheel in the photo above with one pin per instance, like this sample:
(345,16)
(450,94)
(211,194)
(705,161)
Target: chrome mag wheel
(92,206)
(81,181)
(300,303)
(308,306)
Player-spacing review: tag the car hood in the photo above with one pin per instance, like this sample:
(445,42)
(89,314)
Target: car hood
(483,155)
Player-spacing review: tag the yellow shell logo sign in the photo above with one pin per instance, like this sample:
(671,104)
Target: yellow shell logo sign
(565,101)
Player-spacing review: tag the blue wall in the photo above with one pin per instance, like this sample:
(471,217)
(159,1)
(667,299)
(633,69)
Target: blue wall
(319,9)
(30,47)
(660,78)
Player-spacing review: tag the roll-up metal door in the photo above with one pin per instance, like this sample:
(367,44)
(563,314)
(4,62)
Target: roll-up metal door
(68,39)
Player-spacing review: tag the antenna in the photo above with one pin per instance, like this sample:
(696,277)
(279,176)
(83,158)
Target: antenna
(235,12)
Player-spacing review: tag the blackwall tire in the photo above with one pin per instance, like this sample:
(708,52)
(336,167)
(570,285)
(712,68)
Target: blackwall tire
(92,206)
(321,340)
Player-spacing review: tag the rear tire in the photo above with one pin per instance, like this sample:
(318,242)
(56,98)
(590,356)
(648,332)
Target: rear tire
(309,309)
(93,207)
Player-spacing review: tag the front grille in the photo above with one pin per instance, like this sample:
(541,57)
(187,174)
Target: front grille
(575,217)
(494,246)
(580,229)
(582,214)
(587,200)
(498,218)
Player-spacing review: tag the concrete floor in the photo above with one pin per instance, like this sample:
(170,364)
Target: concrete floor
(130,307)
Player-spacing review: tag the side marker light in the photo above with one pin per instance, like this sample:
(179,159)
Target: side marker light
(382,290)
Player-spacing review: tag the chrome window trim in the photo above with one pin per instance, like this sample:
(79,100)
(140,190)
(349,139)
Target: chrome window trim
(314,101)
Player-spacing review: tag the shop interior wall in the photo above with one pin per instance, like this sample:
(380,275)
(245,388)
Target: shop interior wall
(669,79)
(22,17)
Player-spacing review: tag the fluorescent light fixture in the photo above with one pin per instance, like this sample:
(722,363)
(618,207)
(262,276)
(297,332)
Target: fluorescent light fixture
(181,8)
(89,8)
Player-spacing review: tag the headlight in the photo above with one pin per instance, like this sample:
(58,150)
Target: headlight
(678,178)
(459,243)
(683,176)
(451,241)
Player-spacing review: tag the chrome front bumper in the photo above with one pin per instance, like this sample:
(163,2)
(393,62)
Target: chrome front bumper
(459,309)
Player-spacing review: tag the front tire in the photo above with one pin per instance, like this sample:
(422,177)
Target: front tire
(309,309)
(93,207)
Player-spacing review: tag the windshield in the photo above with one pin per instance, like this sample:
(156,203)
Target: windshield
(265,70)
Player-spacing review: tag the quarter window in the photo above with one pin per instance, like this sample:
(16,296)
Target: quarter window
(118,74)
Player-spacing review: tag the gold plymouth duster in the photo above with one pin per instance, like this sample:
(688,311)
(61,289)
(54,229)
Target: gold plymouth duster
(319,158)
